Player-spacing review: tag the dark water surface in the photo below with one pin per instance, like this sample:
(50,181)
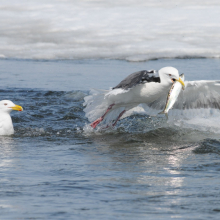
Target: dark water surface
(51,168)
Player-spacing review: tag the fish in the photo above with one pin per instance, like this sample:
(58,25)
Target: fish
(173,95)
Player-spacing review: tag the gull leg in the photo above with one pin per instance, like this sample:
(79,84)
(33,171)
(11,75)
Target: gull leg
(119,117)
(97,121)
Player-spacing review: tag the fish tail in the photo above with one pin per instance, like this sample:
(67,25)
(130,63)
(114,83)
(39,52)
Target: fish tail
(165,113)
(160,113)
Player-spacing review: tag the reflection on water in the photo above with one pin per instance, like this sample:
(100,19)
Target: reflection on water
(7,145)
(7,153)
(144,161)
(142,170)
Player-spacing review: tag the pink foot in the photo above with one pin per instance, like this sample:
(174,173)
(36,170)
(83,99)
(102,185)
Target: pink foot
(97,121)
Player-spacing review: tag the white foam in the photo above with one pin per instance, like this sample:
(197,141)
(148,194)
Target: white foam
(199,119)
(134,30)
(196,119)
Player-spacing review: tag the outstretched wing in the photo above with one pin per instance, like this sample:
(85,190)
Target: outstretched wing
(199,94)
(136,78)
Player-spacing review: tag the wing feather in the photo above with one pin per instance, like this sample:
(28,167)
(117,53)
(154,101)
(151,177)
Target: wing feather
(199,94)
(136,78)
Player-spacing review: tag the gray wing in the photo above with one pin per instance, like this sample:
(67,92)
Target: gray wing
(136,78)
(199,94)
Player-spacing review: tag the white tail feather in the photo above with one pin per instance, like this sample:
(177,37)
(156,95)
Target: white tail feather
(95,104)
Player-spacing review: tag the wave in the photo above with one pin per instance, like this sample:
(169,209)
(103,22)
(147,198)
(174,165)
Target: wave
(208,146)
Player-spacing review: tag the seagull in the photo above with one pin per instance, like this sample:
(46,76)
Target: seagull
(149,89)
(139,87)
(6,126)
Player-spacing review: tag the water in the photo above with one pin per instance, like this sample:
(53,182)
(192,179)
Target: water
(51,54)
(146,168)
(131,30)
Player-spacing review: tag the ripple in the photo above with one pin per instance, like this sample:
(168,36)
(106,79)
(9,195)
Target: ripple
(208,146)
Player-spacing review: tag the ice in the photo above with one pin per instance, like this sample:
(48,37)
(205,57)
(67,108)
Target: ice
(92,29)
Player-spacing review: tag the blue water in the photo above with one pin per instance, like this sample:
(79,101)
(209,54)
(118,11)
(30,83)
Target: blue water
(51,168)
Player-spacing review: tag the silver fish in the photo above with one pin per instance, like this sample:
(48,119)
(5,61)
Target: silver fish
(173,95)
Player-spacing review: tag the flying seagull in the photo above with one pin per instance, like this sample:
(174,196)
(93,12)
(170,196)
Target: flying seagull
(146,87)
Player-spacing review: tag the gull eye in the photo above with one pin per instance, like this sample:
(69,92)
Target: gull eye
(5,104)
(169,74)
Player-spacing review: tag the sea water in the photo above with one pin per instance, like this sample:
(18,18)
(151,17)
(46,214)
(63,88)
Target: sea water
(53,167)
(144,168)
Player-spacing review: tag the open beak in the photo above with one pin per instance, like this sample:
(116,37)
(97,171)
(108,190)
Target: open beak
(17,108)
(181,81)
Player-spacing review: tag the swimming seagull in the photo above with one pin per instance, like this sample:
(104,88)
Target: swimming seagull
(6,126)
(145,87)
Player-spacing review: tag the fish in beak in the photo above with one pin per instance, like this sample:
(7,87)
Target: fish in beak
(182,83)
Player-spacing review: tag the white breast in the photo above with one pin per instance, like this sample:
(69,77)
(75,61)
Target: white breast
(144,93)
(6,126)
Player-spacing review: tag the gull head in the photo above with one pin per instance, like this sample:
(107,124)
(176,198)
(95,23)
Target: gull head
(170,74)
(8,106)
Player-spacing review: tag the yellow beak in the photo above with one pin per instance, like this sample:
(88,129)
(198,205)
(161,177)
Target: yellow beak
(17,108)
(181,81)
